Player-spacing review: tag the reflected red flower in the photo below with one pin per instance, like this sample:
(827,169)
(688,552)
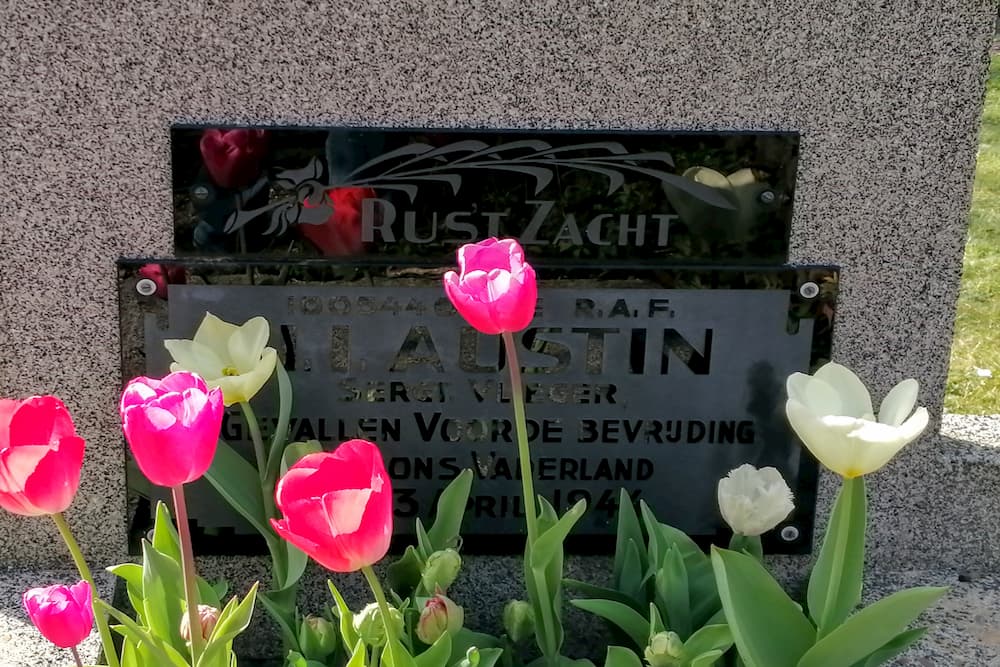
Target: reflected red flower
(340,235)
(163,275)
(233,158)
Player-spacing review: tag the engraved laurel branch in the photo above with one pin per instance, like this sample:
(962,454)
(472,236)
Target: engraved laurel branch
(403,169)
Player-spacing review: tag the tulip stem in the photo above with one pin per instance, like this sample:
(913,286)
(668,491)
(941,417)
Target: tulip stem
(100,618)
(383,605)
(523,452)
(188,571)
(76,656)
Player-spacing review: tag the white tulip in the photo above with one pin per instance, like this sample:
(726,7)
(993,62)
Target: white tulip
(754,501)
(832,414)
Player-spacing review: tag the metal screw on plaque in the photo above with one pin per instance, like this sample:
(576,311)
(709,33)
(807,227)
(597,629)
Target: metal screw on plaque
(766,197)
(145,287)
(149,534)
(809,290)
(789,533)
(200,192)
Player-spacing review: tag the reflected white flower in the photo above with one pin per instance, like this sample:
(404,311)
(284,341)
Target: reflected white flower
(831,411)
(754,501)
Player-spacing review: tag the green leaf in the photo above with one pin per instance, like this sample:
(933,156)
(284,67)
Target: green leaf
(347,632)
(655,621)
(768,628)
(706,659)
(899,643)
(709,638)
(277,448)
(165,539)
(632,581)
(437,655)
(233,620)
(870,629)
(404,574)
(449,512)
(628,531)
(632,623)
(278,609)
(162,590)
(672,592)
(164,654)
(238,483)
(132,574)
(836,580)
(297,561)
(358,656)
(619,656)
(394,655)
(551,540)
(601,593)
(424,546)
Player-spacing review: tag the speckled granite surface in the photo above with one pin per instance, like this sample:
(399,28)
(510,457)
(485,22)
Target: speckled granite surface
(886,96)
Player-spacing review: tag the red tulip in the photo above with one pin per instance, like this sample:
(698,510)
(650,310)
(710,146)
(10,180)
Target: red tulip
(63,614)
(162,276)
(495,289)
(40,456)
(340,235)
(233,157)
(172,426)
(337,506)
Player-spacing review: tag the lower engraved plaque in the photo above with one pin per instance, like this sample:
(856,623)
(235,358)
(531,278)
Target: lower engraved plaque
(657,382)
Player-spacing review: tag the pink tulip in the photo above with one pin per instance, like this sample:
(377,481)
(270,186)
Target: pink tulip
(172,426)
(337,506)
(40,456)
(233,157)
(495,288)
(63,614)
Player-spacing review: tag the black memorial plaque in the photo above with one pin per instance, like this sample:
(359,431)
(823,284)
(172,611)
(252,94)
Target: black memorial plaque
(391,195)
(657,380)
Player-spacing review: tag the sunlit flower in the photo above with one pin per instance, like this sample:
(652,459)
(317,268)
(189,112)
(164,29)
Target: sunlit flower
(831,411)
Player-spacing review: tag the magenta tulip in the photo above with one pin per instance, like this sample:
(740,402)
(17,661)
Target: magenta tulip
(337,506)
(63,614)
(40,456)
(172,426)
(495,289)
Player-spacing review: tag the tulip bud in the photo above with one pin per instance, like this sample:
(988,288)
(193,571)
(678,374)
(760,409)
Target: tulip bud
(317,638)
(370,628)
(441,570)
(519,621)
(665,650)
(440,615)
(207,617)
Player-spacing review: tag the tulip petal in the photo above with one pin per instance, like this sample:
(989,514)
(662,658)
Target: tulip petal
(853,393)
(878,444)
(247,343)
(826,442)
(40,420)
(815,394)
(53,483)
(7,408)
(898,403)
(911,429)
(180,381)
(195,357)
(136,392)
(215,333)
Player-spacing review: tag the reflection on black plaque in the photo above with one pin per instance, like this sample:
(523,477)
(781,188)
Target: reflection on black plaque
(386,195)
(656,380)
